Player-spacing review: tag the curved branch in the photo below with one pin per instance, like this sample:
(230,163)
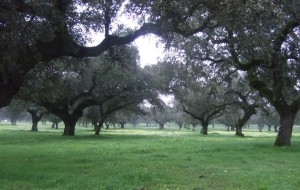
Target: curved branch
(112,40)
(187,33)
(281,36)
(192,114)
(64,45)
(260,86)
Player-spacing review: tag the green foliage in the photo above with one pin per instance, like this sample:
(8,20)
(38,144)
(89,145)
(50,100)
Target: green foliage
(145,158)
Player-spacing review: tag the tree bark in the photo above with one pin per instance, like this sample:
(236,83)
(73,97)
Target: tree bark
(35,118)
(239,131)
(69,127)
(69,119)
(161,126)
(248,112)
(286,128)
(204,128)
(122,124)
(98,128)
(34,127)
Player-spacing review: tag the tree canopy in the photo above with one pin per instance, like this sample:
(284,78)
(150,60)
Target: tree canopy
(219,37)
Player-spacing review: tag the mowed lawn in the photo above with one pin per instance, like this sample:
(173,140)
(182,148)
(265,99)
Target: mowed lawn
(145,158)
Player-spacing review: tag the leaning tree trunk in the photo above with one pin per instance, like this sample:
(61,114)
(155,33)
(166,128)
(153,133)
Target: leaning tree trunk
(284,135)
(248,112)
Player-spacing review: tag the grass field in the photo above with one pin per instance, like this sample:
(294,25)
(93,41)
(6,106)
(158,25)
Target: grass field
(145,158)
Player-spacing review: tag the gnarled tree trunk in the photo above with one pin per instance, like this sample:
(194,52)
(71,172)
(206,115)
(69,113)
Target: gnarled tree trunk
(70,124)
(35,118)
(284,135)
(204,128)
(35,124)
(241,122)
(239,131)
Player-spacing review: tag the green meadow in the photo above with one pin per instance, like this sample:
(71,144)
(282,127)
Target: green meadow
(145,158)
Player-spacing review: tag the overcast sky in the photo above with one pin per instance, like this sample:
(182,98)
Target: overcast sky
(149,49)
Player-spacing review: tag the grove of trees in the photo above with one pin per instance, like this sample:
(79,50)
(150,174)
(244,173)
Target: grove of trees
(223,57)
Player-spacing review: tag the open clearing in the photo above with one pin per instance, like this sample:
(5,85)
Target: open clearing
(145,158)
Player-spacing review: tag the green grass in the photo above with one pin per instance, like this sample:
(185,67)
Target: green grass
(136,158)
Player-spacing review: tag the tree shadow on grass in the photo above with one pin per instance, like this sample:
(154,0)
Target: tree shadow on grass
(50,139)
(230,135)
(105,137)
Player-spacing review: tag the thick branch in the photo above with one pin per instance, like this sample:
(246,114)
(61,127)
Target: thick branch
(216,111)
(280,38)
(235,57)
(193,115)
(252,64)
(260,86)
(191,32)
(247,114)
(64,45)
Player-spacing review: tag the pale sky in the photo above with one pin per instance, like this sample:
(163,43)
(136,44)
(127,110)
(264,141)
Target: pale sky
(149,49)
